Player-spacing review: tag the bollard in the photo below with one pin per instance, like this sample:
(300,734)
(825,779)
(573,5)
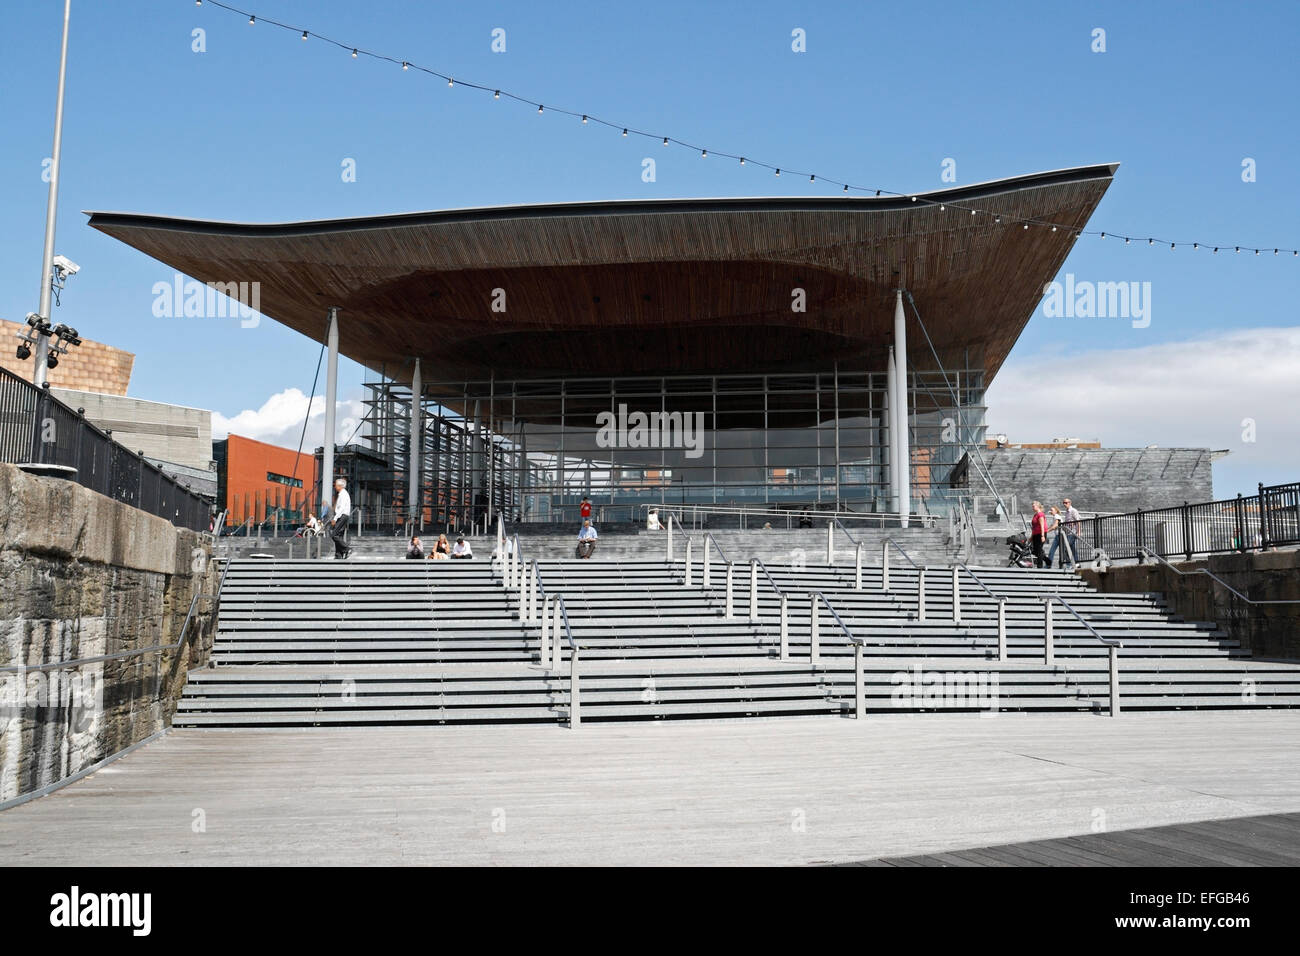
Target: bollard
(920,595)
(1002,629)
(814,635)
(687,580)
(956,595)
(785,626)
(290,550)
(859,684)
(1114,680)
(575,703)
(1048,655)
(730,567)
(546,648)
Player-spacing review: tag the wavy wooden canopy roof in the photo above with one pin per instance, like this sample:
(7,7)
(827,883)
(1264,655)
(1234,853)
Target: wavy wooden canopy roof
(624,288)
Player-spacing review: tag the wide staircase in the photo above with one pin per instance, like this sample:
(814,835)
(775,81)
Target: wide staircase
(372,642)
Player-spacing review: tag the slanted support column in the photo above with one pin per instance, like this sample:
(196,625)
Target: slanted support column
(331,399)
(901,443)
(416,444)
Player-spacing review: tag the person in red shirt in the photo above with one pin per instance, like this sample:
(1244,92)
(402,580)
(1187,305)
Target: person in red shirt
(1038,535)
(585,508)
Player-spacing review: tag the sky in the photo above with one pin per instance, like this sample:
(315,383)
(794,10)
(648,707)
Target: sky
(1195,101)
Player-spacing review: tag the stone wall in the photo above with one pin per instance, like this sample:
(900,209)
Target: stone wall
(1101,479)
(84,576)
(1268,631)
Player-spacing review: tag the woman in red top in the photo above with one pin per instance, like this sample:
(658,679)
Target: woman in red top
(585,508)
(1038,535)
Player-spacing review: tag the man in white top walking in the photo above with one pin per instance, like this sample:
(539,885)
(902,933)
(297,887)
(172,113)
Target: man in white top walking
(341,518)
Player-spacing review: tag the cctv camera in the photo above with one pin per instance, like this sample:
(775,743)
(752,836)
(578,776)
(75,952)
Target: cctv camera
(24,352)
(66,266)
(33,319)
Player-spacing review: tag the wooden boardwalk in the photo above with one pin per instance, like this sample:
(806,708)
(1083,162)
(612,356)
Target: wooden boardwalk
(816,790)
(1244,841)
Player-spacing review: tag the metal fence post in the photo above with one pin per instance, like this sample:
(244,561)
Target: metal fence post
(1241,524)
(956,595)
(1002,629)
(857,567)
(545,655)
(704,578)
(670,539)
(814,632)
(1263,519)
(1049,656)
(687,580)
(830,543)
(753,591)
(785,626)
(575,701)
(884,566)
(1187,531)
(920,595)
(730,568)
(859,684)
(1114,681)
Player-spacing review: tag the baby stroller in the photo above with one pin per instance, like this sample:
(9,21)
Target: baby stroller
(1022,553)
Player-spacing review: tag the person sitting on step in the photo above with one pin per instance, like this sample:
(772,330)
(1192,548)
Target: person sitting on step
(416,551)
(586,540)
(442,550)
(462,550)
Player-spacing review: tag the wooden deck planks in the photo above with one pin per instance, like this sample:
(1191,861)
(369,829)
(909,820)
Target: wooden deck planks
(947,790)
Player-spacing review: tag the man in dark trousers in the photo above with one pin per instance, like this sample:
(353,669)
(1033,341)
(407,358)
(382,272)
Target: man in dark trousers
(342,518)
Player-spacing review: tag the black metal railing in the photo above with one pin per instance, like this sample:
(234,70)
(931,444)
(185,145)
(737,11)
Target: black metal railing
(35,427)
(1268,519)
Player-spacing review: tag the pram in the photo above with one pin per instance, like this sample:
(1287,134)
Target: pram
(1022,553)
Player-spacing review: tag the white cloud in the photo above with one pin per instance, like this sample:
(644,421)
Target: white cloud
(1195,393)
(279,420)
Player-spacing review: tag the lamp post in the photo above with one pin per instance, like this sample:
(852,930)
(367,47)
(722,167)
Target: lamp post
(51,209)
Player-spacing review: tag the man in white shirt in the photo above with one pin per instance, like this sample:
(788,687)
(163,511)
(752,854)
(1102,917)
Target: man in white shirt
(586,540)
(461,550)
(1072,523)
(342,518)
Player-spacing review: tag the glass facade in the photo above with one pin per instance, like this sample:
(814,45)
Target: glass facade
(532,449)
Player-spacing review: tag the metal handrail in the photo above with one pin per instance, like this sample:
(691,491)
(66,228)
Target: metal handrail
(859,685)
(1214,577)
(847,534)
(806,509)
(899,548)
(180,639)
(1112,646)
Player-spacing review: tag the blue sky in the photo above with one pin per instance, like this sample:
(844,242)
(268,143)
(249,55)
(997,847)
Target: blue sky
(256,127)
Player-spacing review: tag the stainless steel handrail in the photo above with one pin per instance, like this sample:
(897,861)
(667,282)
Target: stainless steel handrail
(1214,577)
(1112,646)
(859,685)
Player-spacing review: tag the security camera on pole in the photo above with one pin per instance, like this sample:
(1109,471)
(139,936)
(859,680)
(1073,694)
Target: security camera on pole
(52,273)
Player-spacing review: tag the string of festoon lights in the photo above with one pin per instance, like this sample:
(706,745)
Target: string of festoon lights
(943,205)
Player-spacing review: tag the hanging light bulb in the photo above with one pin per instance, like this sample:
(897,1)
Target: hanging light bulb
(450,81)
(704,154)
(778,170)
(846,187)
(539,107)
(625,134)
(404,65)
(496,94)
(665,140)
(812,178)
(354,54)
(304,34)
(1126,240)
(742,160)
(252,20)
(584,119)
(941,207)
